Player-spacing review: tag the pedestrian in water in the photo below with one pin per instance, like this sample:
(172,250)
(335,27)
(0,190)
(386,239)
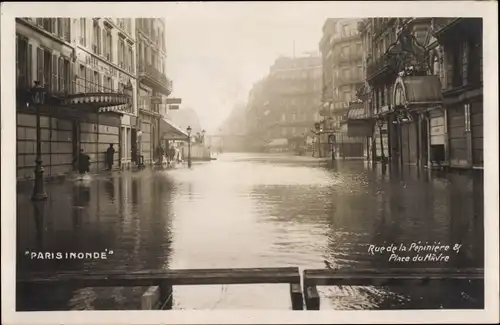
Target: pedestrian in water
(83,163)
(110,153)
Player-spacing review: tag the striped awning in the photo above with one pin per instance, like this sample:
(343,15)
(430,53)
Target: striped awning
(170,131)
(120,109)
(96,100)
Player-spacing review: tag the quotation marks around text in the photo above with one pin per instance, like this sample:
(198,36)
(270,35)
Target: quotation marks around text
(34,255)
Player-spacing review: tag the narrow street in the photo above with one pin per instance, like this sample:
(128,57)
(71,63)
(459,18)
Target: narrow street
(254,210)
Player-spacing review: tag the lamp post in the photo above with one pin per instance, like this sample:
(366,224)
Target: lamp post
(189,145)
(317,126)
(38,98)
(140,158)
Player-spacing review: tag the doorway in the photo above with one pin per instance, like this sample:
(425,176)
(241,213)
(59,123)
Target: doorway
(133,145)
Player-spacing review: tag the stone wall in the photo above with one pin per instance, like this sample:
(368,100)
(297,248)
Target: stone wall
(58,145)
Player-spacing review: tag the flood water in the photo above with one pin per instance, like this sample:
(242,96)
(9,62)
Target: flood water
(251,210)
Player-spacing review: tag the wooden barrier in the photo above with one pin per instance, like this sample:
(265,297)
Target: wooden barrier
(371,277)
(160,282)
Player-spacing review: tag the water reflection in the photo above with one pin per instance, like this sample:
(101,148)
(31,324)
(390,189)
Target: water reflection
(257,211)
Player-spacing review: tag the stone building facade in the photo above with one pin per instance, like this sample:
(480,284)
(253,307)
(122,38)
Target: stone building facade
(424,90)
(153,85)
(342,77)
(84,102)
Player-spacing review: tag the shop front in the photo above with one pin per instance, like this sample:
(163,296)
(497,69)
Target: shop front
(417,103)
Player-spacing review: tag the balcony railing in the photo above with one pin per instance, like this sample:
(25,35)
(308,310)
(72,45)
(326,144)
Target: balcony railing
(61,88)
(149,71)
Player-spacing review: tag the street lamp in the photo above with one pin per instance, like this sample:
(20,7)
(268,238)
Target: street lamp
(317,126)
(189,145)
(38,98)
(140,157)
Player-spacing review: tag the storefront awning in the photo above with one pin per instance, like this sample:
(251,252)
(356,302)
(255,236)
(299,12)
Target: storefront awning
(170,131)
(417,91)
(358,122)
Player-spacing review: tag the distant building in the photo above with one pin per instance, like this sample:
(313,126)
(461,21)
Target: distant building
(284,107)
(154,86)
(342,77)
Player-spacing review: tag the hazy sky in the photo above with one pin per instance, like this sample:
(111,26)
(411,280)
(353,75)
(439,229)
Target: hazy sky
(217,51)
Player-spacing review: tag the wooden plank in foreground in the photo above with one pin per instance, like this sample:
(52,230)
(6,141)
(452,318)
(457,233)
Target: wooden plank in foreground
(312,297)
(296,296)
(150,300)
(390,277)
(173,277)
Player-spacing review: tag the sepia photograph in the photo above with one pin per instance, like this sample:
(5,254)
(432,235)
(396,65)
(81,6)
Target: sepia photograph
(212,157)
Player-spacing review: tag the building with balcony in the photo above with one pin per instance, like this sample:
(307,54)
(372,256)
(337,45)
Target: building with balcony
(105,62)
(424,115)
(293,97)
(343,75)
(85,100)
(457,57)
(154,86)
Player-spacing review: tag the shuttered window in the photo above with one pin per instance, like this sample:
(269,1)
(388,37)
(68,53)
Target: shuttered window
(88,86)
(62,78)
(39,65)
(29,72)
(55,77)
(67,29)
(22,62)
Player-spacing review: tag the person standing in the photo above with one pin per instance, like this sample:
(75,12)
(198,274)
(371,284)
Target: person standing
(110,153)
(82,163)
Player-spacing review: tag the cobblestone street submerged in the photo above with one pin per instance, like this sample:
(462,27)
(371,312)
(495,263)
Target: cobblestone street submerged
(255,211)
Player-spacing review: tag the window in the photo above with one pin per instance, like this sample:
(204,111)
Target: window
(83,31)
(121,52)
(107,84)
(130,59)
(47,24)
(475,62)
(23,62)
(60,27)
(66,29)
(80,82)
(97,82)
(54,74)
(456,66)
(108,45)
(64,77)
(96,38)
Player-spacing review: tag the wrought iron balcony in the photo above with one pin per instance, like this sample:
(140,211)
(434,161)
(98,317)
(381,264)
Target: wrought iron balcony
(155,78)
(79,92)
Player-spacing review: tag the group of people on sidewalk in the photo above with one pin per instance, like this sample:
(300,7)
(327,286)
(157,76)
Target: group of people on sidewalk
(81,162)
(167,156)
